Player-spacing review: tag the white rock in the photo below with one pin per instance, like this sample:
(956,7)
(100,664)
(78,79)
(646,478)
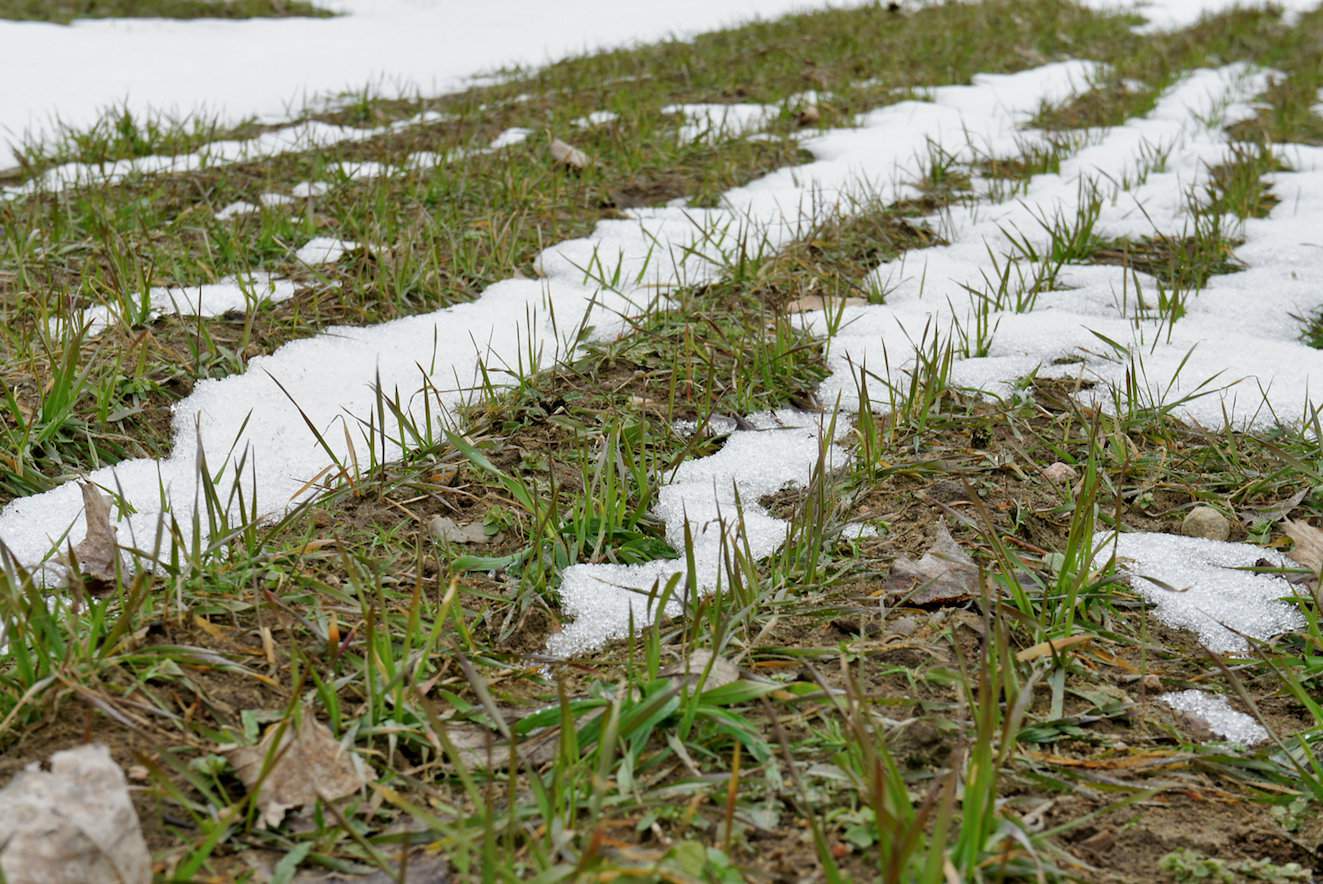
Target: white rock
(72,823)
(1060,473)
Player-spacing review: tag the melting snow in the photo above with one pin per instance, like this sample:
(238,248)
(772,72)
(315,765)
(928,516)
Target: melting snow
(299,137)
(596,118)
(231,294)
(710,123)
(1217,714)
(782,449)
(324,250)
(1209,587)
(331,376)
(257,68)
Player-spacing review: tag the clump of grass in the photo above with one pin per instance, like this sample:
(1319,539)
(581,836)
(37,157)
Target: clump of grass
(65,11)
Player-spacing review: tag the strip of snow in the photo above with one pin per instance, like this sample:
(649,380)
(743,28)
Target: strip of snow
(231,294)
(1217,714)
(306,136)
(1208,587)
(716,496)
(516,325)
(324,250)
(1171,15)
(1185,128)
(710,123)
(234,70)
(1237,347)
(309,189)
(235,209)
(511,137)
(596,118)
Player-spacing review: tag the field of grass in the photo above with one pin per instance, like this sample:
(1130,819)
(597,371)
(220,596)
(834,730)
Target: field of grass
(65,11)
(812,718)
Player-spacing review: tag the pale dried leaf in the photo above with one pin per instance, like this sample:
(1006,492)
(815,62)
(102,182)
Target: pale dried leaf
(722,673)
(567,155)
(309,764)
(1308,548)
(805,303)
(945,574)
(422,868)
(1278,511)
(446,528)
(483,748)
(98,553)
(74,822)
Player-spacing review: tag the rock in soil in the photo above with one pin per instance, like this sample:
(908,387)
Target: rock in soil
(1206,522)
(1059,473)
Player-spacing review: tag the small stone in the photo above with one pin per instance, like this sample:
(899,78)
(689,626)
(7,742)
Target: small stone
(567,155)
(1060,473)
(1206,522)
(447,529)
(902,627)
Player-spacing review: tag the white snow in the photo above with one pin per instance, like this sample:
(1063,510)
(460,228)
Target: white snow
(309,189)
(1208,587)
(264,67)
(324,250)
(231,294)
(780,451)
(1215,712)
(311,135)
(1170,15)
(330,376)
(596,118)
(710,123)
(236,208)
(511,137)
(1236,349)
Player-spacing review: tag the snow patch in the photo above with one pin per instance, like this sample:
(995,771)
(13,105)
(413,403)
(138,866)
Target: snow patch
(1208,587)
(710,123)
(1217,714)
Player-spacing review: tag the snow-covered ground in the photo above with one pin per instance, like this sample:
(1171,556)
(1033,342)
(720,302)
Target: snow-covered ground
(269,68)
(1237,329)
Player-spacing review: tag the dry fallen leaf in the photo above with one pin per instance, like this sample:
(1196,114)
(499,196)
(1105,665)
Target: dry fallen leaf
(74,822)
(723,672)
(1277,511)
(309,764)
(446,528)
(422,868)
(1052,646)
(1308,548)
(98,553)
(568,156)
(483,748)
(804,303)
(945,574)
